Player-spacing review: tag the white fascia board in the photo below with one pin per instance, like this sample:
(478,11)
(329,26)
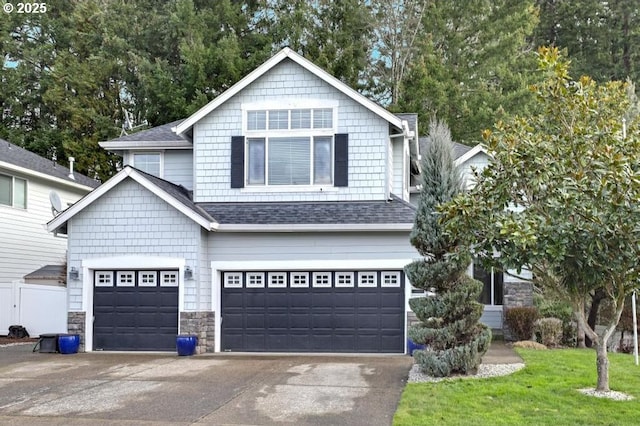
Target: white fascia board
(470,154)
(54,179)
(369,227)
(64,217)
(301,265)
(115,145)
(187,124)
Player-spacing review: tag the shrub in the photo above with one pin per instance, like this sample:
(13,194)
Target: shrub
(550,308)
(529,344)
(520,321)
(550,330)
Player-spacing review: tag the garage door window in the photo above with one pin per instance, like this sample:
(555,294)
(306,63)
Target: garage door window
(391,279)
(147,278)
(277,279)
(299,279)
(104,278)
(322,279)
(255,280)
(344,279)
(233,279)
(367,279)
(126,279)
(168,279)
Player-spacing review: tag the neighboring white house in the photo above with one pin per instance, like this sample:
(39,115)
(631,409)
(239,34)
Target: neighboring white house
(274,219)
(26,184)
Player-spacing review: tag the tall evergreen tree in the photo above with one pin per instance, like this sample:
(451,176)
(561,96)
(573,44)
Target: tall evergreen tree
(473,64)
(455,340)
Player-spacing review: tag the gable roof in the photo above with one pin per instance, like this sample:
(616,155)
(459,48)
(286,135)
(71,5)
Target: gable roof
(185,127)
(470,153)
(175,195)
(15,158)
(459,149)
(161,136)
(390,215)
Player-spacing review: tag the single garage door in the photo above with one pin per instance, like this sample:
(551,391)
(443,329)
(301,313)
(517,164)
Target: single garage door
(135,310)
(313,311)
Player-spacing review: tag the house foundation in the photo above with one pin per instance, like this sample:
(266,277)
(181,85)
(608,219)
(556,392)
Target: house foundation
(202,325)
(76,325)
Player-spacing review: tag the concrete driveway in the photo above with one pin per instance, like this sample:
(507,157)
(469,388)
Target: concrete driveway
(117,388)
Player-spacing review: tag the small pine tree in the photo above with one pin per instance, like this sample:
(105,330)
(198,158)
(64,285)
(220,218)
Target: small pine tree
(449,319)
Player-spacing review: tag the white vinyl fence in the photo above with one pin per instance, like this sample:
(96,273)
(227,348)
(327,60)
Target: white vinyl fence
(41,309)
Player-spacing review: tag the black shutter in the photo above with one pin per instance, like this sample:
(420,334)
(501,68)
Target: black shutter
(237,161)
(341,166)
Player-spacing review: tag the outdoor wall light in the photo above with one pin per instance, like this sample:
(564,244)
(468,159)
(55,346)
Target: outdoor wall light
(73,273)
(188,273)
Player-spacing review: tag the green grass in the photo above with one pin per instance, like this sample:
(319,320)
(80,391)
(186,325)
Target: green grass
(543,393)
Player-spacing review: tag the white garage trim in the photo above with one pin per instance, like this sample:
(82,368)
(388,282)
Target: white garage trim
(124,262)
(294,265)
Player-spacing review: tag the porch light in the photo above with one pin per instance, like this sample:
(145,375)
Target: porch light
(74,274)
(188,273)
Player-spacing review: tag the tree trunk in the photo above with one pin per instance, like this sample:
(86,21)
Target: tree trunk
(596,298)
(580,337)
(602,366)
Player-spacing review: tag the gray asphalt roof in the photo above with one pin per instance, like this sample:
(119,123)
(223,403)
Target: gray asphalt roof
(20,157)
(330,212)
(458,149)
(161,133)
(178,192)
(50,272)
(412,120)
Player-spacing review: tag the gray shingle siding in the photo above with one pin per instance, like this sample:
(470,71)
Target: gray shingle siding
(130,220)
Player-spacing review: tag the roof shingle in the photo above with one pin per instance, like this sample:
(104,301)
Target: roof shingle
(13,154)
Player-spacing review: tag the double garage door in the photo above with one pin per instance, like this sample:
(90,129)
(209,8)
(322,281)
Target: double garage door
(135,310)
(313,311)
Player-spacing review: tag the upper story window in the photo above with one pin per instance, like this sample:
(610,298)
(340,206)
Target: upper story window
(149,162)
(13,191)
(290,146)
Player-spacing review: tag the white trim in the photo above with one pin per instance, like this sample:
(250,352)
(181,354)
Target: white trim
(187,124)
(118,263)
(470,154)
(296,265)
(255,188)
(128,171)
(373,227)
(143,145)
(23,170)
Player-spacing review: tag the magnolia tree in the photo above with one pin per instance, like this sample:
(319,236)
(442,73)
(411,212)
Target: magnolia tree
(455,340)
(562,195)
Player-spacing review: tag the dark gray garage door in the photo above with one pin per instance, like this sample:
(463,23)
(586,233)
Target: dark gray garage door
(135,310)
(337,311)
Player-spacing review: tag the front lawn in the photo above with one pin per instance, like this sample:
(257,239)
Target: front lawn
(543,393)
